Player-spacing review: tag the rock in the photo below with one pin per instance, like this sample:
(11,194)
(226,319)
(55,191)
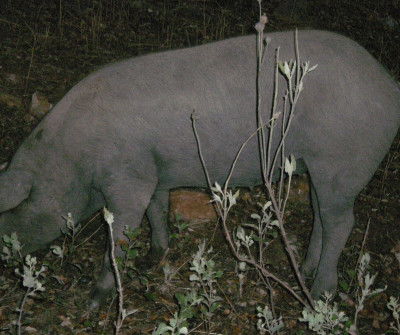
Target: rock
(191,205)
(40,106)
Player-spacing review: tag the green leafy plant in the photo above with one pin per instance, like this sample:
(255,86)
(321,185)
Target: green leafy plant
(70,231)
(31,280)
(180,226)
(365,281)
(267,323)
(59,252)
(394,307)
(131,249)
(205,276)
(204,295)
(178,324)
(169,277)
(12,250)
(326,319)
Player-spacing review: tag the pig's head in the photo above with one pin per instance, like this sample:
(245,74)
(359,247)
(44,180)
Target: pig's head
(24,210)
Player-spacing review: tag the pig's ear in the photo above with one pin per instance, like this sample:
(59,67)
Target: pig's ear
(15,186)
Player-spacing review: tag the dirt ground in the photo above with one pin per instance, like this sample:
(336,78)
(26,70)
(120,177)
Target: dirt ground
(47,47)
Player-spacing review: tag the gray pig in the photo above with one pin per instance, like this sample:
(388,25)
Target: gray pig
(122,138)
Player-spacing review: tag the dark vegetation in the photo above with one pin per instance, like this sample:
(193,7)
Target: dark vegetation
(48,46)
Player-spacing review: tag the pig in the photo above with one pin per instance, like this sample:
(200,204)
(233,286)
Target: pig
(122,138)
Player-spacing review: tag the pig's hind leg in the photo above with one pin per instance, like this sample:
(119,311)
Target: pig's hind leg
(157,213)
(333,195)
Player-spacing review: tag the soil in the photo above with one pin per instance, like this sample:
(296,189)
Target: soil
(47,47)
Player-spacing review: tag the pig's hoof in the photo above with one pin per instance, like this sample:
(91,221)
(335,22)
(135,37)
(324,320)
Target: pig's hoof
(98,297)
(156,254)
(307,272)
(148,261)
(321,287)
(317,293)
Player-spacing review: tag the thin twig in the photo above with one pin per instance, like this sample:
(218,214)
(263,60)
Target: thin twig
(194,117)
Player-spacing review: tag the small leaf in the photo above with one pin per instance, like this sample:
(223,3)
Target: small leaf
(108,216)
(343,285)
(193,277)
